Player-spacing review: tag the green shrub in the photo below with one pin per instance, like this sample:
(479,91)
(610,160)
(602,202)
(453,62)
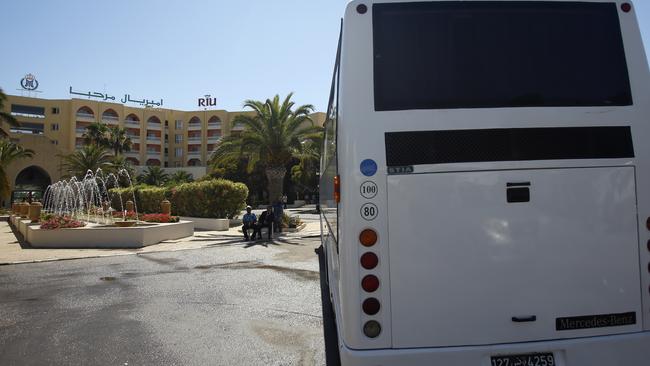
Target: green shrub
(218,198)
(209,198)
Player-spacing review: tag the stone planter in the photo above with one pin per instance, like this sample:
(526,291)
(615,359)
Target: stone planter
(208,223)
(35,211)
(124,223)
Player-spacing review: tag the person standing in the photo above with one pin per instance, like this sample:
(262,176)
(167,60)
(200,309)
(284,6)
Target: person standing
(284,201)
(278,213)
(249,220)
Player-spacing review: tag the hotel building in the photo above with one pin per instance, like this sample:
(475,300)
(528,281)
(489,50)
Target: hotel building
(171,139)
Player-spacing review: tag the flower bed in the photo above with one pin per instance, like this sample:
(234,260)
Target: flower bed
(160,218)
(61,222)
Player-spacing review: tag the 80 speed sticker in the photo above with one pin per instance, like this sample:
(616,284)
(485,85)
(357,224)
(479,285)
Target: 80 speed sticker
(369,211)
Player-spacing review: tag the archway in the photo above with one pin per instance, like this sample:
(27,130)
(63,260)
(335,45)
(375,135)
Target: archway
(31,180)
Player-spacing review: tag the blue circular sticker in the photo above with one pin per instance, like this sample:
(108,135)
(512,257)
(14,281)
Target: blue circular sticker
(368,167)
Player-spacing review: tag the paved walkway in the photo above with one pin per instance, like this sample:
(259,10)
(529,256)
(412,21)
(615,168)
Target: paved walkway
(13,250)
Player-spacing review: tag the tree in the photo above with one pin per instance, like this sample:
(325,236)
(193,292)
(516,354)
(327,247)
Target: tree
(4,116)
(96,134)
(179,177)
(304,174)
(90,157)
(154,176)
(118,140)
(271,138)
(10,152)
(118,165)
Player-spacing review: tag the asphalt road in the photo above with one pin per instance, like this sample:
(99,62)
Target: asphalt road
(225,305)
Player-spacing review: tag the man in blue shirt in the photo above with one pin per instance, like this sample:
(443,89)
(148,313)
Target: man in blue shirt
(249,221)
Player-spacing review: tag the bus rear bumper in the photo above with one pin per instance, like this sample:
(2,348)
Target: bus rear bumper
(626,349)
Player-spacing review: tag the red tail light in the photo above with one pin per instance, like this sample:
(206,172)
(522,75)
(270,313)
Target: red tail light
(626,7)
(369,260)
(370,283)
(371,306)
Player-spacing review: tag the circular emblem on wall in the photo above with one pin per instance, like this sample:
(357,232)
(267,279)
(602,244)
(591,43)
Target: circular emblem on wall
(29,82)
(368,167)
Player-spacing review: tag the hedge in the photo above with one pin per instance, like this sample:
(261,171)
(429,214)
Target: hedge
(216,198)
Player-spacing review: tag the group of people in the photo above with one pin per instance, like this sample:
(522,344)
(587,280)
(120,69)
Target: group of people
(270,219)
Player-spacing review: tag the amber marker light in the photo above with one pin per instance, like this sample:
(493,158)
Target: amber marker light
(337,189)
(368,237)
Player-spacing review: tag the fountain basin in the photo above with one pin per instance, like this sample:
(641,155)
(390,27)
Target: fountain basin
(105,236)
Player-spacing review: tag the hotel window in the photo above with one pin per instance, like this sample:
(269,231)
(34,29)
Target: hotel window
(54,126)
(27,111)
(179,124)
(55,142)
(55,110)
(178,152)
(178,138)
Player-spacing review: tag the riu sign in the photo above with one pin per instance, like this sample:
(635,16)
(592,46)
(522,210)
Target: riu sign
(207,101)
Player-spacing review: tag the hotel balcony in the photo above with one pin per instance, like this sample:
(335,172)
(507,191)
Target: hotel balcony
(85,117)
(132,153)
(154,139)
(214,138)
(80,131)
(132,123)
(134,138)
(214,125)
(154,126)
(238,127)
(191,139)
(194,126)
(111,120)
(194,153)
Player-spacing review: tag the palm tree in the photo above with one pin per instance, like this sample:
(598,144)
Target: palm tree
(272,137)
(304,173)
(96,134)
(119,164)
(89,157)
(10,152)
(118,140)
(181,176)
(4,116)
(154,175)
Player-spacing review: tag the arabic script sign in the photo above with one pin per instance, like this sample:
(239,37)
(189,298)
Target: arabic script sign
(29,82)
(127,98)
(207,101)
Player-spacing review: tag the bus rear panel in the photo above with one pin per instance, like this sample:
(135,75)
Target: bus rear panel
(492,168)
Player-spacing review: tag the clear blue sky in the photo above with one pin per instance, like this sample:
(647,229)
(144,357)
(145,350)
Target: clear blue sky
(179,50)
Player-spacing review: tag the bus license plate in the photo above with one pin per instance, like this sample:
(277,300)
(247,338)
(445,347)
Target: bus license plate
(531,359)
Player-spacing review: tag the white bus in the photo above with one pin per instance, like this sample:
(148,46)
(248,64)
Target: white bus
(485,185)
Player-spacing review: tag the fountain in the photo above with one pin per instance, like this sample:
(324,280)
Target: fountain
(78,214)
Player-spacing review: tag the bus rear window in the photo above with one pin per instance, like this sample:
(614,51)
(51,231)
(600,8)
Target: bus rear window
(491,54)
